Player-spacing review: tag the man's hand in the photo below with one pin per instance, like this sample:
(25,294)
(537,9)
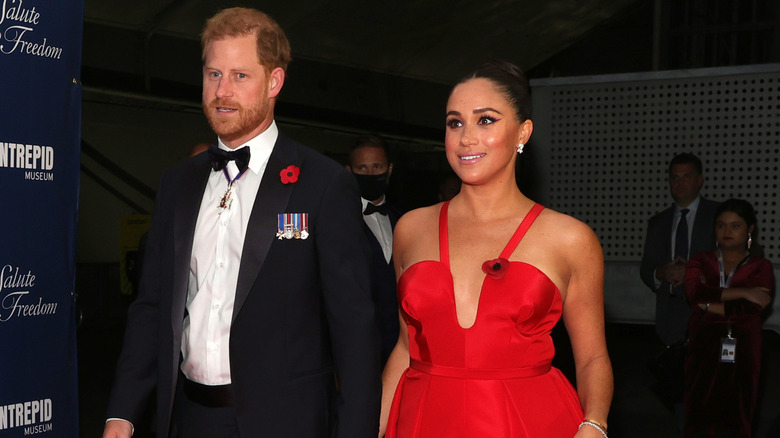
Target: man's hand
(118,429)
(673,272)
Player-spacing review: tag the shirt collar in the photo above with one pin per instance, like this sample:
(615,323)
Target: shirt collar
(260,147)
(366,201)
(691,208)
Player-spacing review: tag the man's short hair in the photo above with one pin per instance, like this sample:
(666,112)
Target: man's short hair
(686,158)
(369,141)
(273,48)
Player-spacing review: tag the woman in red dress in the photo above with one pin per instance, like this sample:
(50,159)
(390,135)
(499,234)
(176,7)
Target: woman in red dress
(728,290)
(482,280)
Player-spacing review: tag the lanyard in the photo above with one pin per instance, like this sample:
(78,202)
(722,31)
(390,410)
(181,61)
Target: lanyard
(725,282)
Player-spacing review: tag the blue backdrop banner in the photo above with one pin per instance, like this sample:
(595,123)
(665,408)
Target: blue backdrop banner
(40,122)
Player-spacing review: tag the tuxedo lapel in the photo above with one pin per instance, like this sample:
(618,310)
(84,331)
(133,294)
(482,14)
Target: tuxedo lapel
(272,198)
(193,184)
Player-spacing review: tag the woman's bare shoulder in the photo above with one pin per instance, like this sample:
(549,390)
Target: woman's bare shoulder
(417,218)
(566,230)
(416,236)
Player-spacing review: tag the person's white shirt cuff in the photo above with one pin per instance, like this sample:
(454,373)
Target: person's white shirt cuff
(132,428)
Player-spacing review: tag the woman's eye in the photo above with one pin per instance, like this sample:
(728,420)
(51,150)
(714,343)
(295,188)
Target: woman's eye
(485,120)
(453,123)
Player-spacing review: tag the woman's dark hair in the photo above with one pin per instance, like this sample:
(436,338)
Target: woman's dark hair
(741,207)
(510,80)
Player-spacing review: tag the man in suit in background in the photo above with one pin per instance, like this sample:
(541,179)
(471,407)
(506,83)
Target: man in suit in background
(369,162)
(673,235)
(256,282)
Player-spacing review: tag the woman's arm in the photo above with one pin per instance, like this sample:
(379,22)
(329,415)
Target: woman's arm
(398,362)
(394,369)
(697,288)
(583,314)
(719,300)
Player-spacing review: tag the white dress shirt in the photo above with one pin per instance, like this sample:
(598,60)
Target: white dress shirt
(380,226)
(690,218)
(216,257)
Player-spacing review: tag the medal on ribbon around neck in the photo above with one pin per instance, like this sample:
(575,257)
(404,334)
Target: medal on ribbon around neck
(227,198)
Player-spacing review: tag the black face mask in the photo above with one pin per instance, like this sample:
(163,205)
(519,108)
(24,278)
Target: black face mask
(372,187)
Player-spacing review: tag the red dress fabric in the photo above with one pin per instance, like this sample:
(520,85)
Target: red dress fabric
(721,397)
(493,379)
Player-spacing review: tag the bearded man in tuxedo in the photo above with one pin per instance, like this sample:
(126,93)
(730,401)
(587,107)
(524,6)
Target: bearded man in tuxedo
(255,297)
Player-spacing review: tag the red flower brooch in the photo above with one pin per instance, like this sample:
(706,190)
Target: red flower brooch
(496,268)
(290,174)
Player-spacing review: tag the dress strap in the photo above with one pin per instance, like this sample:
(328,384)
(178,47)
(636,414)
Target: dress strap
(444,246)
(528,220)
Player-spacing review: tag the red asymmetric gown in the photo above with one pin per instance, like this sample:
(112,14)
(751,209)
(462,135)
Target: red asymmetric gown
(493,379)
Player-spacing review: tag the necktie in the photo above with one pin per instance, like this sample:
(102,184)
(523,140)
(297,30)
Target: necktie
(219,158)
(681,236)
(681,246)
(371,208)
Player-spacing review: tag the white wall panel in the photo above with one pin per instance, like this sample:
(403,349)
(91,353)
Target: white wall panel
(605,142)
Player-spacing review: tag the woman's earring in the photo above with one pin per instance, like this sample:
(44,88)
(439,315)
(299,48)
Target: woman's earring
(750,240)
(520,148)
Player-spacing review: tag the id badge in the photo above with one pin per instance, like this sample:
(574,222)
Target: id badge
(728,350)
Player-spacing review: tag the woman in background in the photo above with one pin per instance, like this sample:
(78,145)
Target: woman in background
(728,290)
(482,280)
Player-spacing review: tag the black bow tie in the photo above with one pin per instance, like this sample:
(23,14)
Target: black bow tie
(219,158)
(371,208)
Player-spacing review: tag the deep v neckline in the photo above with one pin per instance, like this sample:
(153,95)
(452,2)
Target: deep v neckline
(444,253)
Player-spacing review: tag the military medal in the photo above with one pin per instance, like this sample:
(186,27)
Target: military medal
(227,200)
(293,226)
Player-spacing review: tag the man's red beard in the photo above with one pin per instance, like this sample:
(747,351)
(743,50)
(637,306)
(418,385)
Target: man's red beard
(230,127)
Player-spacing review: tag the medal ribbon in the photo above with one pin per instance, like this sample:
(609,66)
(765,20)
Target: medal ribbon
(225,202)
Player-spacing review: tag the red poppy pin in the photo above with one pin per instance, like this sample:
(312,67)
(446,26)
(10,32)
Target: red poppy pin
(290,174)
(496,268)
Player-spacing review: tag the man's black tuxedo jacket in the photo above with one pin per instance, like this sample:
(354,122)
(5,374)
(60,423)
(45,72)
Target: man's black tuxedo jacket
(303,307)
(383,287)
(672,311)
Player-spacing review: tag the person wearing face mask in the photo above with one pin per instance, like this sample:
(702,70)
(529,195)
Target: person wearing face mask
(254,315)
(368,161)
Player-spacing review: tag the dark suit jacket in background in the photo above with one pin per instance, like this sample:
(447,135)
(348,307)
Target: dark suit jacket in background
(672,311)
(383,287)
(303,308)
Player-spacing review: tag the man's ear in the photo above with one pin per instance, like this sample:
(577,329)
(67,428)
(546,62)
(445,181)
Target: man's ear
(275,82)
(348,167)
